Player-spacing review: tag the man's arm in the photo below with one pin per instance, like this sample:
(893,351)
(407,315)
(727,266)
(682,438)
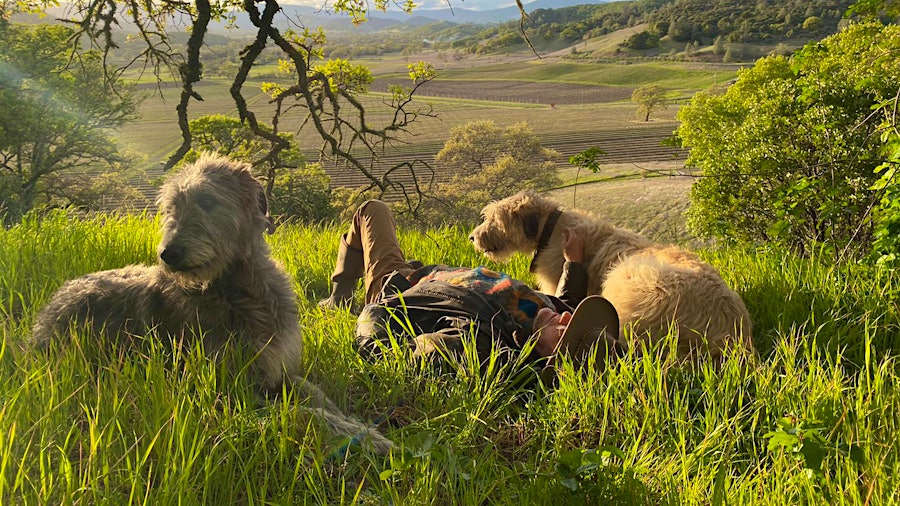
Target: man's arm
(573,283)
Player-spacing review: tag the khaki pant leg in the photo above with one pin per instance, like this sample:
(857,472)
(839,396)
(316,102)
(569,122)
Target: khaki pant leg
(374,232)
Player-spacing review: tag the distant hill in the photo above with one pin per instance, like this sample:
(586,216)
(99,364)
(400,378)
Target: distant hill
(698,22)
(669,27)
(392,19)
(743,21)
(694,29)
(498,15)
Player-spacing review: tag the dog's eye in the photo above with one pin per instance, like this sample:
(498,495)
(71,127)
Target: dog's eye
(206,202)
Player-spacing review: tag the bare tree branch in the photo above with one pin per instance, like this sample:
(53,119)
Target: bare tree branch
(332,109)
(522,19)
(191,72)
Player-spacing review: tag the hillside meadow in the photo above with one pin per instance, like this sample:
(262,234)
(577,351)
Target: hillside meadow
(587,97)
(569,106)
(810,418)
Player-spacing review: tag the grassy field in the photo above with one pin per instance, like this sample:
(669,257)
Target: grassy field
(810,418)
(570,126)
(457,97)
(673,76)
(652,205)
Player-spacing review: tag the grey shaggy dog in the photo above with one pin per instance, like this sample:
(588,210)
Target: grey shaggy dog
(653,287)
(215,278)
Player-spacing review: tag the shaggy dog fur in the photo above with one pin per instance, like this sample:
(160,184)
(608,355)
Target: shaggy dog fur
(653,287)
(215,280)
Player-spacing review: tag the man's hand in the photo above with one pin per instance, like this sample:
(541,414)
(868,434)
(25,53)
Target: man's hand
(573,246)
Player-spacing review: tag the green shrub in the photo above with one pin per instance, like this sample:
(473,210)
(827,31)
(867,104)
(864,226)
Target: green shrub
(302,194)
(789,151)
(642,40)
(886,246)
(488,162)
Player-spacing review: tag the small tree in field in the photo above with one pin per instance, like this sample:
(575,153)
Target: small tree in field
(719,46)
(648,98)
(477,144)
(488,163)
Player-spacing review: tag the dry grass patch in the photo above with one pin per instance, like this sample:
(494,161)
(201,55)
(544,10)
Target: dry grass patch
(652,206)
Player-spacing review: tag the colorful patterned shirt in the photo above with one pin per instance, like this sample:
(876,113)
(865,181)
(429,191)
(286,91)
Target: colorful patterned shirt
(520,300)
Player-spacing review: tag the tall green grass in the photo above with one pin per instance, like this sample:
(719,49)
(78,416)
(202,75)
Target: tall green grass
(811,418)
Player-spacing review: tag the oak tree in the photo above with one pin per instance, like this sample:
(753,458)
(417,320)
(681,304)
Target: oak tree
(488,162)
(648,98)
(56,117)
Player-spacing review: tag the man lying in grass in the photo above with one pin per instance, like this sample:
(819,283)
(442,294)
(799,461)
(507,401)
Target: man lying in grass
(437,306)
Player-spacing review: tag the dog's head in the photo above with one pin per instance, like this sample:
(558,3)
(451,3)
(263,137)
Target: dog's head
(212,212)
(512,225)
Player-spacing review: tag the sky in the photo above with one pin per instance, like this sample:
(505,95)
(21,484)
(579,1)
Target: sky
(474,5)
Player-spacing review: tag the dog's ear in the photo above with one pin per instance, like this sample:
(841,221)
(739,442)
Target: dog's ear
(263,204)
(255,190)
(531,223)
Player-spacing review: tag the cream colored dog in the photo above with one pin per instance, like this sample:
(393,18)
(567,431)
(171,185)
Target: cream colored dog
(653,287)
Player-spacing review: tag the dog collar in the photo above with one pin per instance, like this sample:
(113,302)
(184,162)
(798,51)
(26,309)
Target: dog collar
(546,232)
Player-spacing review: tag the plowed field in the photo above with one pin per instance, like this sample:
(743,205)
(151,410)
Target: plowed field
(528,92)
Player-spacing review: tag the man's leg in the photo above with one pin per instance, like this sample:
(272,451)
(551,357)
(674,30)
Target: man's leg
(374,231)
(348,269)
(369,248)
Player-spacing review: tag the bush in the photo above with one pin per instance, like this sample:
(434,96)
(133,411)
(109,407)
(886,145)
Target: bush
(886,246)
(719,46)
(345,200)
(642,40)
(463,196)
(231,137)
(299,191)
(813,24)
(789,151)
(302,194)
(489,163)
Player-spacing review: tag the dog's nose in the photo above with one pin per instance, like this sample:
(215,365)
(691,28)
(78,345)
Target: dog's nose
(472,237)
(172,255)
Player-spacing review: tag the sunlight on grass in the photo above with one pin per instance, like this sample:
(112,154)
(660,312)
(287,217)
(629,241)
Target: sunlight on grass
(810,418)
